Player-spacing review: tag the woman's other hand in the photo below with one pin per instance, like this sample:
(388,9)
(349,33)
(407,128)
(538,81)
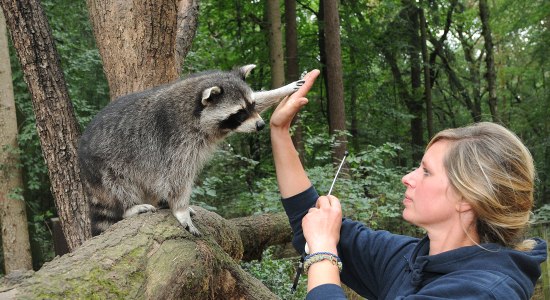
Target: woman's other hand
(322,224)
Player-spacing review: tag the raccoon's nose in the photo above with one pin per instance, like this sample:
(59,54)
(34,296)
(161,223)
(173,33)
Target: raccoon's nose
(260,125)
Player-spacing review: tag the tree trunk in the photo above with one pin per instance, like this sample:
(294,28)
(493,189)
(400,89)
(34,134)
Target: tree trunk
(15,233)
(291,42)
(151,257)
(187,22)
(55,120)
(427,72)
(413,107)
(275,43)
(474,70)
(322,56)
(414,103)
(335,84)
(352,81)
(293,71)
(142,43)
(491,74)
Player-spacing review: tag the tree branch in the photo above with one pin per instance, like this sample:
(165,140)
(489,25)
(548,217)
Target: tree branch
(187,21)
(151,256)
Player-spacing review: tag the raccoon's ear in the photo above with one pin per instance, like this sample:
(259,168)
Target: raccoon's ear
(209,92)
(245,70)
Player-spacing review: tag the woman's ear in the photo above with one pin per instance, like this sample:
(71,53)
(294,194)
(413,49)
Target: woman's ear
(463,206)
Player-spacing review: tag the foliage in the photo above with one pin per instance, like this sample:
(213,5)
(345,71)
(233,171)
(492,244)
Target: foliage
(370,189)
(277,274)
(239,180)
(542,215)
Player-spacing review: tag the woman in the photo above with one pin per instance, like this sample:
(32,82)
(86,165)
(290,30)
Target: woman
(473,194)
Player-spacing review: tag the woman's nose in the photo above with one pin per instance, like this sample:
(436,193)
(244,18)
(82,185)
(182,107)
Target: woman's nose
(407,180)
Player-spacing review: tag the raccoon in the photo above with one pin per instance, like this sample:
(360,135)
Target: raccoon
(144,150)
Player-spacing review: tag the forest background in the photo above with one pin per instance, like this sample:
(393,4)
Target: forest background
(409,69)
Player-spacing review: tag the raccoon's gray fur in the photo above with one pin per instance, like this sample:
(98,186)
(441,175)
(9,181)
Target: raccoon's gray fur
(145,149)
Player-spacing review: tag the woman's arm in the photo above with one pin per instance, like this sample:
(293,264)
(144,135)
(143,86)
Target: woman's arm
(291,176)
(293,180)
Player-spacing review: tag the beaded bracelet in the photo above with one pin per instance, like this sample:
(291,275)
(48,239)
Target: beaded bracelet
(320,256)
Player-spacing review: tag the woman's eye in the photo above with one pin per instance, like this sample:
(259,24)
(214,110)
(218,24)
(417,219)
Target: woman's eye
(425,171)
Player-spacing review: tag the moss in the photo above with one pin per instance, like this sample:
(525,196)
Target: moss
(99,282)
(95,285)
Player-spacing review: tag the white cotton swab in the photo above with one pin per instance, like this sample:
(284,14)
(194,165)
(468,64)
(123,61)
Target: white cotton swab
(306,248)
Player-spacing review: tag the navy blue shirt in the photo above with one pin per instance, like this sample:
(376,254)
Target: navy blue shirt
(382,265)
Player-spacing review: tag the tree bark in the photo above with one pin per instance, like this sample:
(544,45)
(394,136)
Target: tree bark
(491,74)
(427,72)
(142,43)
(151,257)
(414,102)
(412,107)
(55,119)
(259,232)
(275,43)
(322,56)
(291,42)
(293,70)
(474,70)
(352,80)
(187,22)
(15,233)
(335,81)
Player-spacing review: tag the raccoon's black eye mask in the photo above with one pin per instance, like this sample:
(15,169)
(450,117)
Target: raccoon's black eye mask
(235,120)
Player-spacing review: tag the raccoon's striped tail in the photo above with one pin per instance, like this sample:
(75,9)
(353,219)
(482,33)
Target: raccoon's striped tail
(102,216)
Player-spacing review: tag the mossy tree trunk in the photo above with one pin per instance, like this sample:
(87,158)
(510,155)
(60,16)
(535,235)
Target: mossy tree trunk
(151,257)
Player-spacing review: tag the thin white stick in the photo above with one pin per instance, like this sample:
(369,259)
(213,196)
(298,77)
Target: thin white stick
(306,248)
(337,172)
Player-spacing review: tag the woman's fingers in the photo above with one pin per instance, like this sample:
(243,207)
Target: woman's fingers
(323,201)
(309,79)
(328,201)
(289,106)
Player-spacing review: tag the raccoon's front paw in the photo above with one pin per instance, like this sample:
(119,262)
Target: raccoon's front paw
(184,217)
(298,84)
(139,209)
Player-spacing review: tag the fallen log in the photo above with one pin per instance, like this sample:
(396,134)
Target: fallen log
(151,257)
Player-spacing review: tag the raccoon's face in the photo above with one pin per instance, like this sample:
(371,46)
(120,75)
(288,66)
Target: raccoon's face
(228,106)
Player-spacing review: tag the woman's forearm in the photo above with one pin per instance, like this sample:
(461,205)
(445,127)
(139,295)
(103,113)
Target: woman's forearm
(291,176)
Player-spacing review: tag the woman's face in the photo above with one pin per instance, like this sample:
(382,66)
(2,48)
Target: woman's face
(430,201)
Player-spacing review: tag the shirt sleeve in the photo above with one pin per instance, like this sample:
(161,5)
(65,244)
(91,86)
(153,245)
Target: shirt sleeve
(296,207)
(326,291)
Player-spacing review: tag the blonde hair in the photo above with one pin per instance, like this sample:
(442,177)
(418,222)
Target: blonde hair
(492,170)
